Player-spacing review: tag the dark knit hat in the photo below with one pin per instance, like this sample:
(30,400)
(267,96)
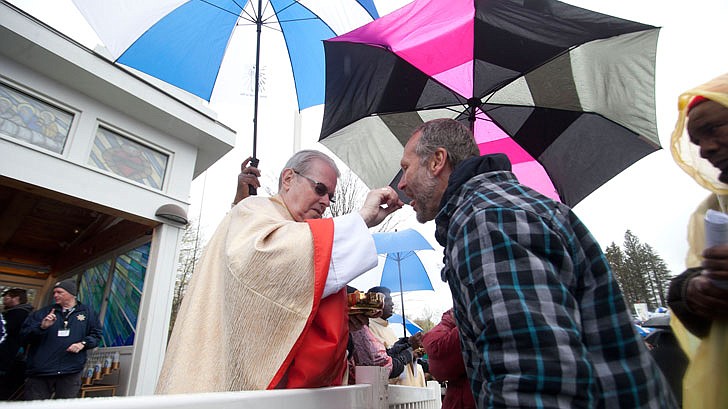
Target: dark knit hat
(68,285)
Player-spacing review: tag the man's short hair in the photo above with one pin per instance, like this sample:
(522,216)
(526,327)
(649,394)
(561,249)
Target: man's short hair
(380,289)
(17,292)
(303,160)
(446,133)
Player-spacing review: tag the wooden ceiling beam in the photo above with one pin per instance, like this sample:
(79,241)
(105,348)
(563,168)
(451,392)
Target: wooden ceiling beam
(100,244)
(11,219)
(75,201)
(23,271)
(13,255)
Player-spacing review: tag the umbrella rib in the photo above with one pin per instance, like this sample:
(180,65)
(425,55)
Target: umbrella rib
(238,4)
(253,18)
(270,26)
(298,19)
(265,8)
(250,18)
(288,6)
(222,8)
(268,23)
(303,19)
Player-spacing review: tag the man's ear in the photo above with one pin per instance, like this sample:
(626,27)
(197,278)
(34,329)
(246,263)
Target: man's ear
(438,162)
(286,178)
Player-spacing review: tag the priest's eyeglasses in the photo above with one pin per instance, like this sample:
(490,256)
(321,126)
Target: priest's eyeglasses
(318,187)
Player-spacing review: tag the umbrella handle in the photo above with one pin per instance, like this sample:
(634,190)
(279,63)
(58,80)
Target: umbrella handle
(254,163)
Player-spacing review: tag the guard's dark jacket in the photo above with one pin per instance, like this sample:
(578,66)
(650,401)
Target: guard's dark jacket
(47,354)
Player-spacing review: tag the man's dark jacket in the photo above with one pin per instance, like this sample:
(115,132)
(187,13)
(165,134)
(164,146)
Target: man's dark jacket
(14,318)
(47,354)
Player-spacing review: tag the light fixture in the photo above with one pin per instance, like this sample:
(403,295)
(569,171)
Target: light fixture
(173,213)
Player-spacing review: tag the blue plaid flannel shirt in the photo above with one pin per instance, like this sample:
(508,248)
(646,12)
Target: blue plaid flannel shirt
(542,321)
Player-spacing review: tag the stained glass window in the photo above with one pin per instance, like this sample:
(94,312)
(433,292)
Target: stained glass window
(126,293)
(127,158)
(121,309)
(93,285)
(28,119)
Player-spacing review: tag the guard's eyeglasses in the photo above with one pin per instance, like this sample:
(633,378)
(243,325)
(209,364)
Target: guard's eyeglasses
(318,187)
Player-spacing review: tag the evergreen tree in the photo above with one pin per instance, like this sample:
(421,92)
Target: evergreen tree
(659,273)
(642,275)
(615,256)
(634,266)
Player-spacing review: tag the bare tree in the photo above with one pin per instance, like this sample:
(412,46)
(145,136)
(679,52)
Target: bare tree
(426,319)
(350,195)
(189,254)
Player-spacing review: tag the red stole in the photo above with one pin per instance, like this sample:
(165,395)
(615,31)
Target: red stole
(317,357)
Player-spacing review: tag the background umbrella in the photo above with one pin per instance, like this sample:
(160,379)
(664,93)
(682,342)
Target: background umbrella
(550,84)
(403,269)
(658,321)
(410,327)
(183,42)
(643,331)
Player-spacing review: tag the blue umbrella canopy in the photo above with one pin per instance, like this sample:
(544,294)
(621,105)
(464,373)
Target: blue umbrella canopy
(183,42)
(407,266)
(403,270)
(400,241)
(411,327)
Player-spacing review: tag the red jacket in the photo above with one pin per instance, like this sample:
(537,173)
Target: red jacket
(442,344)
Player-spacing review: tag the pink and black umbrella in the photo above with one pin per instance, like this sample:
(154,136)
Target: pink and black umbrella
(567,93)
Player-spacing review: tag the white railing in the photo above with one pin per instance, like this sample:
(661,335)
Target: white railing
(364,395)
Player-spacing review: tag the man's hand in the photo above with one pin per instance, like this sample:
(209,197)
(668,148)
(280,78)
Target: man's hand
(707,293)
(49,319)
(379,204)
(415,341)
(248,176)
(75,348)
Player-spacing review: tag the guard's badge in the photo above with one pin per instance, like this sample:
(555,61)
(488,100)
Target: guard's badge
(81,317)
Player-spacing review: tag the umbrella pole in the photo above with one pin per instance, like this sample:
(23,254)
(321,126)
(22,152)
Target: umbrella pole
(259,26)
(473,104)
(401,297)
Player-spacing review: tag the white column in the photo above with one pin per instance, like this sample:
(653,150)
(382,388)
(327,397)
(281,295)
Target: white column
(150,342)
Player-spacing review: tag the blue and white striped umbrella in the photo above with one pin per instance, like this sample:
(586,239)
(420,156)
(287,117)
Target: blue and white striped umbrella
(410,326)
(183,42)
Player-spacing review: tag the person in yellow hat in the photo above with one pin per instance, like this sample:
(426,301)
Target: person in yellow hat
(698,297)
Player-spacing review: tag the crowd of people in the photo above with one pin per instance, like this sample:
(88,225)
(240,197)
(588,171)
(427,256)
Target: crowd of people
(538,319)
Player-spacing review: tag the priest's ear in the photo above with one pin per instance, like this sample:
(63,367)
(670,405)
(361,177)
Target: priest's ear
(287,176)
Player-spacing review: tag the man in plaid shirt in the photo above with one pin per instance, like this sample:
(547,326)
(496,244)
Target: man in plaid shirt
(542,321)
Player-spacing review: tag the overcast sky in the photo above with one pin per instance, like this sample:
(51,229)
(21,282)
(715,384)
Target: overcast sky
(653,198)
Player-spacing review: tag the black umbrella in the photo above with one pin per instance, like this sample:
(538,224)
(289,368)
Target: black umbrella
(561,90)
